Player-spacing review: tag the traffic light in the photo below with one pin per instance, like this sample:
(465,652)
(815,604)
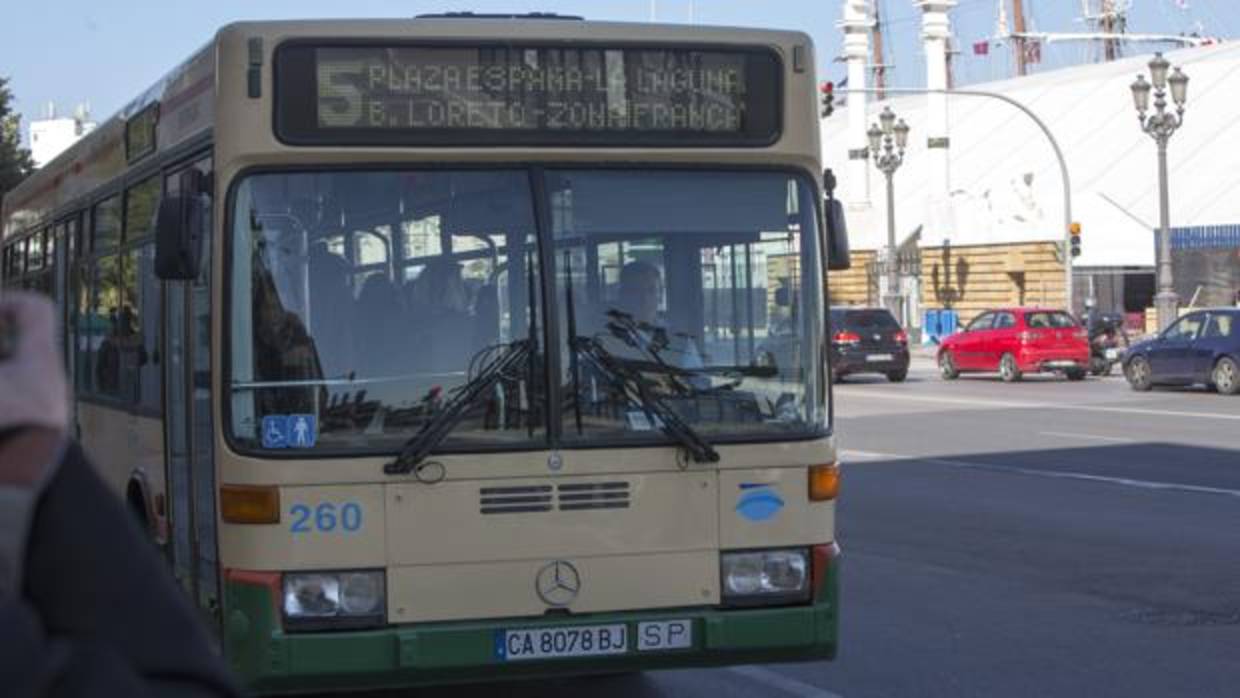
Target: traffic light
(1074,232)
(828,97)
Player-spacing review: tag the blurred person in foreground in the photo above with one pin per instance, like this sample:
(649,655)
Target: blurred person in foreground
(87,608)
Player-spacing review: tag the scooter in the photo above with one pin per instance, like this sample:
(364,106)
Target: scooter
(1107,343)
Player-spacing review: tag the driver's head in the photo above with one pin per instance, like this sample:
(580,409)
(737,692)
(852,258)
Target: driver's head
(641,288)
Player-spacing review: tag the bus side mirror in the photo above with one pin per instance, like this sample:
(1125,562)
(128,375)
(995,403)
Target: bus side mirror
(179,230)
(837,237)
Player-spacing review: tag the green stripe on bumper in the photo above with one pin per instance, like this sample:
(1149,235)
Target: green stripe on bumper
(270,660)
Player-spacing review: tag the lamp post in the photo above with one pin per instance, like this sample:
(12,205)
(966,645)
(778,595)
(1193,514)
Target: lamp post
(1160,125)
(888,139)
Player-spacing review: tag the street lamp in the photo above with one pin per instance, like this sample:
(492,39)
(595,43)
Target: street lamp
(1160,125)
(888,139)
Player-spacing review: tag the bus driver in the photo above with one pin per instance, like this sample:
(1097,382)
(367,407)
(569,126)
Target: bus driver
(641,289)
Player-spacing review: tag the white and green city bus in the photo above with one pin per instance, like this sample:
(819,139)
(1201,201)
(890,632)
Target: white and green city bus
(462,347)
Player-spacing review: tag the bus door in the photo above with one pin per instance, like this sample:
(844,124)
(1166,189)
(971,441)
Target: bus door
(189,428)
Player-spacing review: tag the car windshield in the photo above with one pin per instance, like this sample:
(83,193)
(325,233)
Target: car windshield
(707,283)
(364,301)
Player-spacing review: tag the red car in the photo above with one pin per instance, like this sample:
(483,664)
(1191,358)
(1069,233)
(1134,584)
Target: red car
(1015,341)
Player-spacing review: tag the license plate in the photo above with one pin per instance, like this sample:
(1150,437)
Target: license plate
(879,357)
(655,636)
(553,643)
(1112,354)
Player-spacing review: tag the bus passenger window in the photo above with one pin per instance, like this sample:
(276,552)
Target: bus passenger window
(106,225)
(108,326)
(149,375)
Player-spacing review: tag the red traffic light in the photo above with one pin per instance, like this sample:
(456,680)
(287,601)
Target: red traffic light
(827,87)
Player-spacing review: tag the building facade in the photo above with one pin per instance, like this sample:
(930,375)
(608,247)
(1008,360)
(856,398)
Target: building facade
(52,135)
(980,211)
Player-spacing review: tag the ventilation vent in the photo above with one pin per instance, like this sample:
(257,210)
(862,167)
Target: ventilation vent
(594,495)
(515,500)
(529,499)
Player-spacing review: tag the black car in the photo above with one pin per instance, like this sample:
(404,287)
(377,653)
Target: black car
(1202,347)
(867,340)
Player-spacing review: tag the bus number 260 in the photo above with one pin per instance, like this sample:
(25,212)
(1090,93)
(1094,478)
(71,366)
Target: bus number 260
(326,517)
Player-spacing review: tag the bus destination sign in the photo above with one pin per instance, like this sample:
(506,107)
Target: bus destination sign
(462,95)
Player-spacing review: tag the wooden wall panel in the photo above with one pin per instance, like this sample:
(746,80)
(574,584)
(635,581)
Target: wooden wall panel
(974,278)
(852,286)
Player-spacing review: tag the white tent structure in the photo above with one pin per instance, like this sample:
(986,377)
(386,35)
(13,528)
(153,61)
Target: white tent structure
(1004,184)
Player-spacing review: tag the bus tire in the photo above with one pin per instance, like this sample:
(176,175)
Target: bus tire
(136,503)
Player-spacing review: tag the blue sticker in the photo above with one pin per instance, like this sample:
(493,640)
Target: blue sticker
(302,431)
(758,502)
(275,431)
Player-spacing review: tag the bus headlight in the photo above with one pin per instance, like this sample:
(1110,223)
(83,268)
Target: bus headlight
(765,577)
(319,600)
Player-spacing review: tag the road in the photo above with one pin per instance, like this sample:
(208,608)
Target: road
(1040,539)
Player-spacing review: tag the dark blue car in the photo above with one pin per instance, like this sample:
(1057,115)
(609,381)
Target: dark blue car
(1202,347)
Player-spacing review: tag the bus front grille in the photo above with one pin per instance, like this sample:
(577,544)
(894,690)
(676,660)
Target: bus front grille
(515,500)
(529,499)
(594,495)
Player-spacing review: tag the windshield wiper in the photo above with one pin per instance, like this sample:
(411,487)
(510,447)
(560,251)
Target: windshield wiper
(624,327)
(627,329)
(513,357)
(634,387)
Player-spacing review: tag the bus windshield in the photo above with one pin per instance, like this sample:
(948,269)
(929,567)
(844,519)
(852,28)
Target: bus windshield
(363,302)
(706,283)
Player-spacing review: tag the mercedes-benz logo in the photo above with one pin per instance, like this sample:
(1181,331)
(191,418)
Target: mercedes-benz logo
(557,583)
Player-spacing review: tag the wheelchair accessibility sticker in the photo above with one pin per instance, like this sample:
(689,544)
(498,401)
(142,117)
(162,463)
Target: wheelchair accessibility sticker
(289,431)
(758,501)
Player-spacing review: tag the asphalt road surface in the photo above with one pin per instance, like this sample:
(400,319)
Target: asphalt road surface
(1039,539)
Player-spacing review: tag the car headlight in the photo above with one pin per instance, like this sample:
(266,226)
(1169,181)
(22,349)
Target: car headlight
(765,577)
(319,600)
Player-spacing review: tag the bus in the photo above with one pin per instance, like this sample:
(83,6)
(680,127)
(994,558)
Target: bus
(462,347)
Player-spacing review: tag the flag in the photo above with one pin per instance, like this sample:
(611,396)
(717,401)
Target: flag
(1033,52)
(981,48)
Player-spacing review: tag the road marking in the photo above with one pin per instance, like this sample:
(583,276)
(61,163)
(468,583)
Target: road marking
(865,455)
(1043,406)
(783,683)
(1087,437)
(1059,474)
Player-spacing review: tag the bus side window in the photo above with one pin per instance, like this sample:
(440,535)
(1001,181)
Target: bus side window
(106,328)
(150,375)
(142,380)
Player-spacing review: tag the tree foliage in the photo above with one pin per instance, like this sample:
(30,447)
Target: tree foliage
(15,161)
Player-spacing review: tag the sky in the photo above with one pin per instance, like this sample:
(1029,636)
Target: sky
(72,51)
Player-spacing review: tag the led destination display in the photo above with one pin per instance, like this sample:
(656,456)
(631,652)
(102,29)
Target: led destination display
(442,95)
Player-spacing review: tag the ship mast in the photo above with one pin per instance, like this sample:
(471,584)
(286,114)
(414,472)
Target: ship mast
(1108,24)
(1019,38)
(879,60)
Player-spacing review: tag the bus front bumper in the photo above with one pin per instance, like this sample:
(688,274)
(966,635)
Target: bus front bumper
(272,661)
